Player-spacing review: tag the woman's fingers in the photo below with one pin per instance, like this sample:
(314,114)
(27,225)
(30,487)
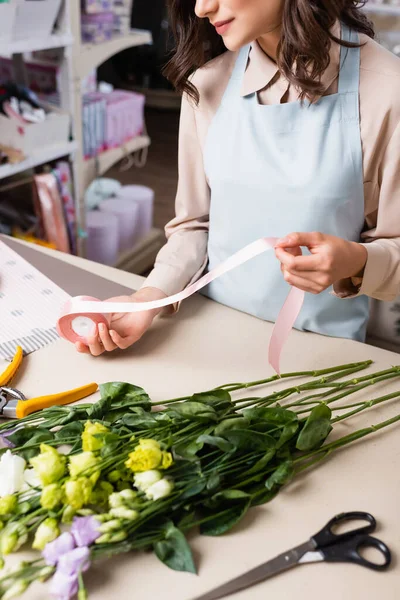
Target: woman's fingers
(105,338)
(122,342)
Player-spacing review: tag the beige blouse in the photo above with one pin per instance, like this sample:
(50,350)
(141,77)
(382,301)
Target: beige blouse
(183,259)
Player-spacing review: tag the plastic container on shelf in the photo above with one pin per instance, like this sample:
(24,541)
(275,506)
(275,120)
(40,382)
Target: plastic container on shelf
(127,213)
(143,197)
(97,28)
(35,18)
(102,237)
(96,6)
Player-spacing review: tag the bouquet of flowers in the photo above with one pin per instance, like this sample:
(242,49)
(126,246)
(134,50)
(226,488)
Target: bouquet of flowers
(92,480)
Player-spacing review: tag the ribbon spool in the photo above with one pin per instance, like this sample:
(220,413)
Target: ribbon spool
(80,327)
(82,314)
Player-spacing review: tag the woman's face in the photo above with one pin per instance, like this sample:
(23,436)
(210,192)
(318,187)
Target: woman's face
(241,21)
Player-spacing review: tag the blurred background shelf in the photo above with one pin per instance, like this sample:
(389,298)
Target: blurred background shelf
(95,167)
(32,44)
(47,154)
(92,55)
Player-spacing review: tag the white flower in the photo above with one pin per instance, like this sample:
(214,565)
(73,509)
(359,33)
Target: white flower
(160,489)
(11,473)
(31,480)
(144,480)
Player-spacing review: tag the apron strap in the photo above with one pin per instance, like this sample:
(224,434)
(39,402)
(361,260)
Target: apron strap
(349,75)
(235,82)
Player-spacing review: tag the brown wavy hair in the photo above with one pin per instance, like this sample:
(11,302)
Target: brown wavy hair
(302,54)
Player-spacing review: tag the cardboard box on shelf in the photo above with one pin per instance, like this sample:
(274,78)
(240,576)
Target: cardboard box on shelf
(31,137)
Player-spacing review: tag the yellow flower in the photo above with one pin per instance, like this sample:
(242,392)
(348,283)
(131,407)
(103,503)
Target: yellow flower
(146,456)
(78,492)
(90,443)
(79,463)
(166,460)
(49,465)
(51,497)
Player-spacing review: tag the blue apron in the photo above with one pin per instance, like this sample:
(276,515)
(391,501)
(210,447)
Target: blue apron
(274,169)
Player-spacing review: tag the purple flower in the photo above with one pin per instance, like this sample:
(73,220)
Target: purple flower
(53,551)
(63,586)
(74,562)
(85,530)
(4,441)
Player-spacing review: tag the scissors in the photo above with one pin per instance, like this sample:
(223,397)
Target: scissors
(323,546)
(14,405)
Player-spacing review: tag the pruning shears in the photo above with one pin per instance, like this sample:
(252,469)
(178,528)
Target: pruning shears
(13,403)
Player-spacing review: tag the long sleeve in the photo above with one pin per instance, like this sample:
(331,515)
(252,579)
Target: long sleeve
(184,256)
(381,278)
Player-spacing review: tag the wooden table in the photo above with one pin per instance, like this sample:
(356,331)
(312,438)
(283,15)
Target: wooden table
(207,345)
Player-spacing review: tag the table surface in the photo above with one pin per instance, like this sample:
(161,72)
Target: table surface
(206,345)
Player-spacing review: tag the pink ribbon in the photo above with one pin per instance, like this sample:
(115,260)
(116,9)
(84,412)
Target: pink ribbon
(282,328)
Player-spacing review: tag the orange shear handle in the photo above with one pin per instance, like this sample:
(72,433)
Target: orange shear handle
(26,407)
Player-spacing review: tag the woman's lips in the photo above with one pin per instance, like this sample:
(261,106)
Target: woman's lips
(222,26)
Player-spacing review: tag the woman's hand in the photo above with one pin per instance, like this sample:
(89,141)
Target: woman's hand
(125,328)
(332,259)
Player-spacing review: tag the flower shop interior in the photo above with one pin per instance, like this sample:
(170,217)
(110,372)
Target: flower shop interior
(103,472)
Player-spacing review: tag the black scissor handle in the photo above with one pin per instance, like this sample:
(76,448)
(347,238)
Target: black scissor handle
(348,550)
(326,536)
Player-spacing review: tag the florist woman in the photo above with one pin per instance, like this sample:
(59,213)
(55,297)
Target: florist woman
(290,127)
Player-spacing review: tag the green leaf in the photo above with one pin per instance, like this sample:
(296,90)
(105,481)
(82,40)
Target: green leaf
(187,450)
(100,408)
(230,495)
(288,432)
(25,434)
(219,522)
(277,416)
(194,411)
(73,429)
(195,488)
(127,393)
(189,517)
(174,550)
(280,476)
(228,424)
(218,399)
(316,428)
(262,495)
(146,421)
(245,439)
(262,463)
(111,442)
(213,481)
(213,440)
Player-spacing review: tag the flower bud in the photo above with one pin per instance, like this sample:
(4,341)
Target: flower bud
(46,532)
(115,500)
(160,489)
(113,525)
(144,480)
(68,515)
(114,476)
(45,573)
(128,495)
(119,536)
(8,504)
(16,589)
(124,513)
